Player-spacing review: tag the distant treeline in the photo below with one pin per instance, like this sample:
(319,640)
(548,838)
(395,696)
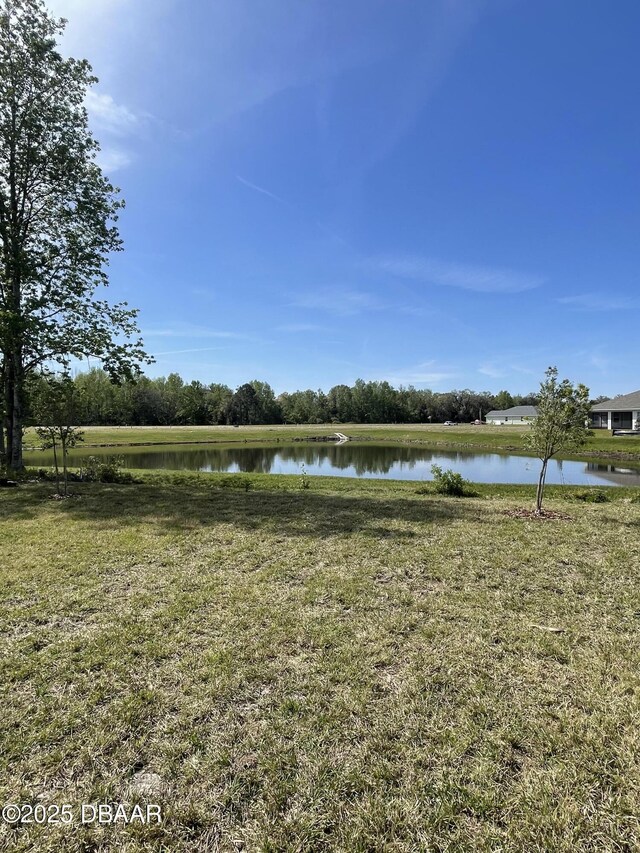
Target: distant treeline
(171,401)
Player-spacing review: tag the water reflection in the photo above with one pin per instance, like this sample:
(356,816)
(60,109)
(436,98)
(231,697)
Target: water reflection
(355,459)
(615,475)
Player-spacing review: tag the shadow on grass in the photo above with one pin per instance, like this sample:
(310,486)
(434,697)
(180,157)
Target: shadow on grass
(293,513)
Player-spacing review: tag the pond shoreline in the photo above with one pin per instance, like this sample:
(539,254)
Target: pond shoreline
(613,455)
(403,460)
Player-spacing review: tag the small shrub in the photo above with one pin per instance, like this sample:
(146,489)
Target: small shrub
(305,481)
(450,483)
(593,496)
(104,469)
(237,481)
(49,475)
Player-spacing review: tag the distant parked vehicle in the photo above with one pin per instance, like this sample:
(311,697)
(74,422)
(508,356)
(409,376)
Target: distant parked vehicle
(477,422)
(450,423)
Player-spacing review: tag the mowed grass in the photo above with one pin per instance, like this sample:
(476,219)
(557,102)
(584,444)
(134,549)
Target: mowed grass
(488,437)
(359,666)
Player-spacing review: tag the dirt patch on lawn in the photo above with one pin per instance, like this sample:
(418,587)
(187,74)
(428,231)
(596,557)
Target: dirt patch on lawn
(543,515)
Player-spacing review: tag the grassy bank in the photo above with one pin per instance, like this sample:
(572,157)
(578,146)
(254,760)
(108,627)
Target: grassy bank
(601,443)
(354,667)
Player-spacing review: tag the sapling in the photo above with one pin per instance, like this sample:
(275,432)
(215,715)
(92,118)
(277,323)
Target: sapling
(561,424)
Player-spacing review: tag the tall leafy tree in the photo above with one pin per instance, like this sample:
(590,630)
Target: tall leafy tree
(57,218)
(99,397)
(193,404)
(341,403)
(269,412)
(244,406)
(503,400)
(172,394)
(561,424)
(218,398)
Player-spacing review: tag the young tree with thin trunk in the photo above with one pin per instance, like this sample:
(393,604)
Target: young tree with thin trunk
(57,218)
(56,408)
(561,424)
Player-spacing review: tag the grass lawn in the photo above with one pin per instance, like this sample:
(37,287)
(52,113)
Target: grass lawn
(360,666)
(480,437)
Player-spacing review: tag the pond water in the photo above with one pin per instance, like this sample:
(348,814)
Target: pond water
(359,459)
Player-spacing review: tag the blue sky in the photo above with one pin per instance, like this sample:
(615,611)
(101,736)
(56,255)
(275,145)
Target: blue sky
(443,193)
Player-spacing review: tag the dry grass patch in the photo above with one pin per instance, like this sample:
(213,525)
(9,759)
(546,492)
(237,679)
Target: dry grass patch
(354,670)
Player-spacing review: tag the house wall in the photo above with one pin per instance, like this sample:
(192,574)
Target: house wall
(635,416)
(509,421)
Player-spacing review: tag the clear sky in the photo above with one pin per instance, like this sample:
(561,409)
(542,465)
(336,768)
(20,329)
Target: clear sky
(443,193)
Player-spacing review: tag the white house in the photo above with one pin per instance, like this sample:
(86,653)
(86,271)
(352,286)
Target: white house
(622,412)
(514,415)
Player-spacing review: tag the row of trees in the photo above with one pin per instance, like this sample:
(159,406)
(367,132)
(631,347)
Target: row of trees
(171,401)
(60,403)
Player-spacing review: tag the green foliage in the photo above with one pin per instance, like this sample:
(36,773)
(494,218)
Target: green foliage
(166,401)
(57,217)
(503,400)
(104,469)
(244,406)
(593,496)
(267,405)
(193,405)
(451,483)
(54,407)
(305,480)
(563,414)
(237,481)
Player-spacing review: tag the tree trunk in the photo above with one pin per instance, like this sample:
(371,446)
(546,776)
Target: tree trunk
(3,423)
(16,394)
(3,446)
(8,406)
(64,465)
(55,463)
(13,408)
(540,490)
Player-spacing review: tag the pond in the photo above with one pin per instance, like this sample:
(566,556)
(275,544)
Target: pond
(358,459)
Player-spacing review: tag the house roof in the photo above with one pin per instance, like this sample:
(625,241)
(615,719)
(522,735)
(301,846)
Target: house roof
(619,404)
(514,412)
